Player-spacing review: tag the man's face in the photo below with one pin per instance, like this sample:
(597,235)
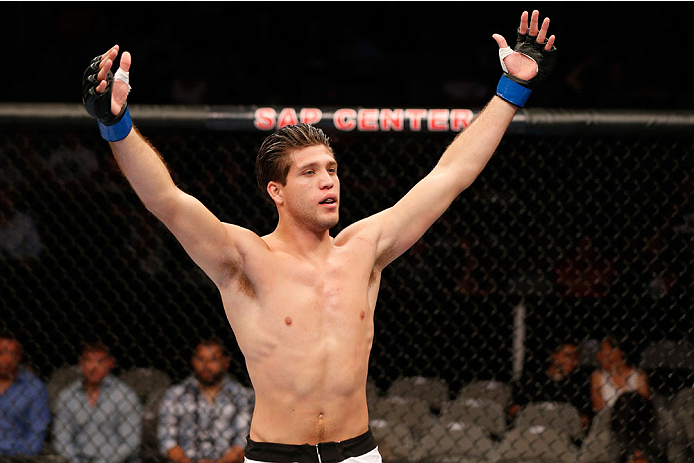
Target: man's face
(311,194)
(10,356)
(96,365)
(209,364)
(565,358)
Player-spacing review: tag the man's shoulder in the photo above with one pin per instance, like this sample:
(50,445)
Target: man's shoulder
(69,391)
(176,391)
(31,379)
(120,388)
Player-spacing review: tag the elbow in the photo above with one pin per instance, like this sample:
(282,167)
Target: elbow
(163,207)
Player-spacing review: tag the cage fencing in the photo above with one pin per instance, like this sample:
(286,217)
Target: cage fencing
(570,254)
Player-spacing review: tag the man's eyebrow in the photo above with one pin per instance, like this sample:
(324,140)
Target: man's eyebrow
(315,164)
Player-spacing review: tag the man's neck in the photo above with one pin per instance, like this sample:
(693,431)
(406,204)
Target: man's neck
(301,241)
(210,391)
(92,391)
(6,382)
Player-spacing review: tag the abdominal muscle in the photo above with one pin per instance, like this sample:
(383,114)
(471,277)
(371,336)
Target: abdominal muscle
(310,390)
(308,362)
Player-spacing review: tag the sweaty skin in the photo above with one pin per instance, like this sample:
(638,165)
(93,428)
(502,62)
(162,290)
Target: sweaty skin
(300,302)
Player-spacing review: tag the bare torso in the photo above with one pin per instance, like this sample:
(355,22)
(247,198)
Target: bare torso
(306,330)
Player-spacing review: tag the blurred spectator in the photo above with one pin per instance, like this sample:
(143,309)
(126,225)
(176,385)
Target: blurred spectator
(19,237)
(24,409)
(560,380)
(614,376)
(669,250)
(207,417)
(585,273)
(72,163)
(98,418)
(634,422)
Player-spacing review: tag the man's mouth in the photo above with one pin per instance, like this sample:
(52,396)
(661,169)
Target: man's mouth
(328,201)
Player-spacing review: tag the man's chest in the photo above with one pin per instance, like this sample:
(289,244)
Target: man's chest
(303,300)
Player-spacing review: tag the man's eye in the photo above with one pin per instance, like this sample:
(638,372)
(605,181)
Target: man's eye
(308,172)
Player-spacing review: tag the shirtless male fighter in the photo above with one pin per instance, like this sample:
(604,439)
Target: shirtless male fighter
(301,302)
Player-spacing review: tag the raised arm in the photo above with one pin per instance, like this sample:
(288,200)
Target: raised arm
(209,242)
(396,229)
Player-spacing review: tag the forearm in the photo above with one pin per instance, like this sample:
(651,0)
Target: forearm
(145,170)
(472,148)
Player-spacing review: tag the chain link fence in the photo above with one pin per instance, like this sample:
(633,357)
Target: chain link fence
(571,253)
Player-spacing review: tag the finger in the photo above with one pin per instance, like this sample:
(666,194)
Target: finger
(111,54)
(523,23)
(103,72)
(543,31)
(500,40)
(534,19)
(115,47)
(550,43)
(125,61)
(101,88)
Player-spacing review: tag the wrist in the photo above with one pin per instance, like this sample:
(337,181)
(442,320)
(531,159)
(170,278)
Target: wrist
(512,91)
(119,130)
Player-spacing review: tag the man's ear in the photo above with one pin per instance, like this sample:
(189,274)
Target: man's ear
(274,189)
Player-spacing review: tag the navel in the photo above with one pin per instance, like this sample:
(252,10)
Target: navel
(288,321)
(362,315)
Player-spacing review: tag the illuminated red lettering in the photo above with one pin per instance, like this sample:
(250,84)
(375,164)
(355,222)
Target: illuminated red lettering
(367,120)
(265,118)
(415,116)
(287,117)
(460,119)
(310,115)
(392,119)
(345,119)
(437,120)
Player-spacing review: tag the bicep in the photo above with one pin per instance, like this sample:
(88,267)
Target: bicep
(403,224)
(204,237)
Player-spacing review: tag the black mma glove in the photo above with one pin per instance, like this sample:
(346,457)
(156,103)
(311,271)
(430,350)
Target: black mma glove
(514,90)
(98,105)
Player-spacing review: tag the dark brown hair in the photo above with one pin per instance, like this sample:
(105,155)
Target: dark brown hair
(213,341)
(272,163)
(96,346)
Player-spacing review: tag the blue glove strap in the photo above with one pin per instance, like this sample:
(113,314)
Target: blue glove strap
(512,92)
(119,130)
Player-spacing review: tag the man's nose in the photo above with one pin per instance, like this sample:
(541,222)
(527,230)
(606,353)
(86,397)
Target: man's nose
(326,181)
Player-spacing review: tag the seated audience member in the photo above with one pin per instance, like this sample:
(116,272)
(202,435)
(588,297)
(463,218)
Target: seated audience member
(24,409)
(634,423)
(98,418)
(560,380)
(207,416)
(614,376)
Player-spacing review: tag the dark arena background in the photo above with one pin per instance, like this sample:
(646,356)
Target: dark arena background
(580,228)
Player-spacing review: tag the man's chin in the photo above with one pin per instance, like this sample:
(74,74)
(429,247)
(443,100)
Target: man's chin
(209,380)
(330,222)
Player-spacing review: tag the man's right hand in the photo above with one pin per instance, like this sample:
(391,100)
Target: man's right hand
(105,95)
(119,94)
